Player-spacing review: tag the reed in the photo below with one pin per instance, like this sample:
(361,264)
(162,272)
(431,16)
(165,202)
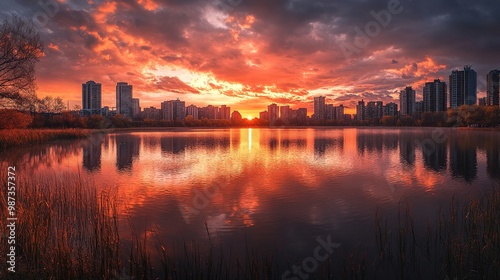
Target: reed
(462,242)
(66,229)
(10,138)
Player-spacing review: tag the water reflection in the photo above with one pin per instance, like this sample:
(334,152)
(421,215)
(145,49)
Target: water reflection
(321,145)
(277,186)
(177,145)
(492,148)
(127,148)
(435,156)
(493,162)
(463,159)
(407,147)
(92,151)
(254,146)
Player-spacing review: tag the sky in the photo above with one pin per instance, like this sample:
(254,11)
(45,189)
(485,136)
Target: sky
(248,54)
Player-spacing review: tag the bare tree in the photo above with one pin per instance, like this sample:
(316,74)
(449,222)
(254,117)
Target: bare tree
(51,105)
(20,49)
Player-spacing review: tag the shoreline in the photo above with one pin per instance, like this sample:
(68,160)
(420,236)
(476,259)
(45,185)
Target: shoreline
(11,138)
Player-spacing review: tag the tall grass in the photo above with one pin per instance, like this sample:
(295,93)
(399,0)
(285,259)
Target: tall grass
(68,229)
(10,138)
(462,242)
(65,229)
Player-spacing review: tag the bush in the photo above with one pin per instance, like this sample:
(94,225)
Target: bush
(95,121)
(14,119)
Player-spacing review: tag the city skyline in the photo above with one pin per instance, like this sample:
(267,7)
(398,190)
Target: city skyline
(439,91)
(435,96)
(256,53)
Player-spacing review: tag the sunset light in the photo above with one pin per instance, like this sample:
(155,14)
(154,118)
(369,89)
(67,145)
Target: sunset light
(214,55)
(250,139)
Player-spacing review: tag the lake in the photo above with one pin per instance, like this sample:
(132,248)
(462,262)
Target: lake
(274,189)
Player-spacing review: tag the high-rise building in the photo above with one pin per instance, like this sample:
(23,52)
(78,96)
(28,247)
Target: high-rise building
(285,113)
(264,116)
(202,113)
(210,112)
(360,110)
(224,113)
(391,109)
(470,86)
(329,112)
(167,111)
(482,101)
(192,110)
(124,99)
(301,114)
(456,88)
(213,112)
(273,110)
(435,96)
(179,110)
(339,112)
(319,108)
(151,113)
(419,107)
(374,110)
(91,98)
(136,108)
(463,87)
(492,88)
(407,101)
(173,110)
(334,112)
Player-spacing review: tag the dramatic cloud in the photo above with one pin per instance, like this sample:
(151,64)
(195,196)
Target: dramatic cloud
(260,51)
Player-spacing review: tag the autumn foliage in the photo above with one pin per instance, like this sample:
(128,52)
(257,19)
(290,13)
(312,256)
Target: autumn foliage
(14,119)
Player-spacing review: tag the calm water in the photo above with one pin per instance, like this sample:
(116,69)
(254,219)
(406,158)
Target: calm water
(281,188)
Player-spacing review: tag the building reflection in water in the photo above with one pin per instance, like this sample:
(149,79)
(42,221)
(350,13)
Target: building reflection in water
(360,143)
(461,152)
(127,148)
(493,162)
(286,144)
(179,144)
(174,145)
(273,143)
(435,157)
(92,151)
(491,146)
(391,141)
(373,142)
(463,159)
(321,145)
(407,148)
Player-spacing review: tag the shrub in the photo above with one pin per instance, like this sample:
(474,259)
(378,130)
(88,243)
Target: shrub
(14,119)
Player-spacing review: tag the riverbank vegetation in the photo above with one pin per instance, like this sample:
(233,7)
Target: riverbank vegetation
(465,116)
(12,138)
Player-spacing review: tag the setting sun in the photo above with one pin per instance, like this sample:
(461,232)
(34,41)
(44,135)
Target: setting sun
(249,118)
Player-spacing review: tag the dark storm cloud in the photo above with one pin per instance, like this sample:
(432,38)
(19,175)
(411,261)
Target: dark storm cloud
(297,43)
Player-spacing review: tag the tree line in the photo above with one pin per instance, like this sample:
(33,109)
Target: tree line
(470,116)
